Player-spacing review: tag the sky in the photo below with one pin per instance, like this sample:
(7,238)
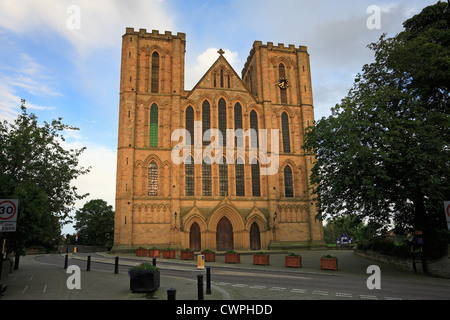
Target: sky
(63,56)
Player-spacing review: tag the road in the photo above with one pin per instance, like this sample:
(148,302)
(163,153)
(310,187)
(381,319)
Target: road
(258,284)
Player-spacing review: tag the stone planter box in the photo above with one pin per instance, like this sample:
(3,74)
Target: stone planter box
(328,263)
(154,253)
(147,283)
(140,252)
(232,258)
(187,255)
(293,261)
(209,256)
(261,259)
(169,254)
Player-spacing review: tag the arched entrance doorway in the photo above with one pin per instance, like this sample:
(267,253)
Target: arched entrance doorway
(224,235)
(255,239)
(195,242)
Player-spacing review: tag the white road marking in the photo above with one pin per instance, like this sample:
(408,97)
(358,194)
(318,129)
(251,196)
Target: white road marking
(26,287)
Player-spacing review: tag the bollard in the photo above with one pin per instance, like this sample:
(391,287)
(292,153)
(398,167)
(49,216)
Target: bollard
(88,267)
(200,286)
(66,261)
(116,266)
(154,262)
(208,280)
(171,294)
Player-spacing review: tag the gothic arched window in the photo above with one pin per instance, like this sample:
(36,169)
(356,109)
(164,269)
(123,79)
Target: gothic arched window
(285,129)
(206,123)
(154,125)
(189,177)
(256,189)
(223,121)
(254,127)
(223,178)
(155,72)
(283,91)
(153,179)
(240,178)
(238,141)
(206,177)
(190,124)
(288,183)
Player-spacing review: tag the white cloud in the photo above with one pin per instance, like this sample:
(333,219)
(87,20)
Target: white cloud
(98,24)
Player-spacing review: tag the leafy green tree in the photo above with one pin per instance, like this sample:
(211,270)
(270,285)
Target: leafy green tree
(95,223)
(384,153)
(37,170)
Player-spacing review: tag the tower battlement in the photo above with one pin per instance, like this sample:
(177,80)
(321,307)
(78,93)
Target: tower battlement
(156,34)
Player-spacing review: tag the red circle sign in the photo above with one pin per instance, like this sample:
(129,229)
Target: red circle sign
(7,211)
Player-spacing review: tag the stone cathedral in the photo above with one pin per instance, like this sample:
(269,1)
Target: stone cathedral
(172,190)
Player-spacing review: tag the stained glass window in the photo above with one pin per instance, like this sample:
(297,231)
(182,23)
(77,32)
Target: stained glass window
(155,72)
(285,129)
(154,125)
(223,121)
(288,184)
(238,124)
(190,124)
(189,177)
(206,177)
(254,126)
(152,179)
(223,178)
(240,179)
(206,123)
(256,190)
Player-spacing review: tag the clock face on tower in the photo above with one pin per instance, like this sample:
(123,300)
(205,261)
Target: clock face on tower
(283,83)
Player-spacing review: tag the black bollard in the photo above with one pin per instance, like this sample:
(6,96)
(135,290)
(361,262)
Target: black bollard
(66,261)
(116,266)
(200,286)
(208,280)
(154,262)
(171,294)
(88,267)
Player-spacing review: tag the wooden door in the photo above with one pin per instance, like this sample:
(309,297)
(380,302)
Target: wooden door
(195,242)
(255,240)
(224,235)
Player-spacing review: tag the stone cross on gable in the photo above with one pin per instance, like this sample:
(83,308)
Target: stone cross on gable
(221,52)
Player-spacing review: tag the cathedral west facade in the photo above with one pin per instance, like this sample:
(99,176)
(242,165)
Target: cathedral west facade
(190,171)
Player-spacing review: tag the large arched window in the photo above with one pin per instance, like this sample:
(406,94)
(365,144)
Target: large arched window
(206,123)
(155,72)
(256,189)
(223,178)
(206,176)
(238,139)
(240,178)
(189,176)
(285,129)
(154,125)
(254,127)
(288,183)
(153,179)
(190,124)
(223,121)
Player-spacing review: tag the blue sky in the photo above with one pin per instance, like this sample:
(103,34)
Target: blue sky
(74,73)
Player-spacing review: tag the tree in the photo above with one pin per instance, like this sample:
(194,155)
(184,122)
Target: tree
(384,153)
(37,170)
(95,223)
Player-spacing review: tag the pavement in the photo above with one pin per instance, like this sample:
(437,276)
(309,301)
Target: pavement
(36,280)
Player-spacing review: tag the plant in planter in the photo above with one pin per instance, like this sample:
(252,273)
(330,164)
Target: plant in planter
(169,253)
(153,252)
(141,252)
(293,260)
(328,263)
(210,256)
(232,256)
(187,254)
(144,278)
(261,258)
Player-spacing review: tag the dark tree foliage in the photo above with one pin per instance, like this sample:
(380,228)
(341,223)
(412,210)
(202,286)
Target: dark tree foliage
(384,153)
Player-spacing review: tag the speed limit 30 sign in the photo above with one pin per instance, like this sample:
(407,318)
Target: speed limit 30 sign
(8,214)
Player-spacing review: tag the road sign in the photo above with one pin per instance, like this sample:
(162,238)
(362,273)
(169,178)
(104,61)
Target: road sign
(447,213)
(8,214)
(201,261)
